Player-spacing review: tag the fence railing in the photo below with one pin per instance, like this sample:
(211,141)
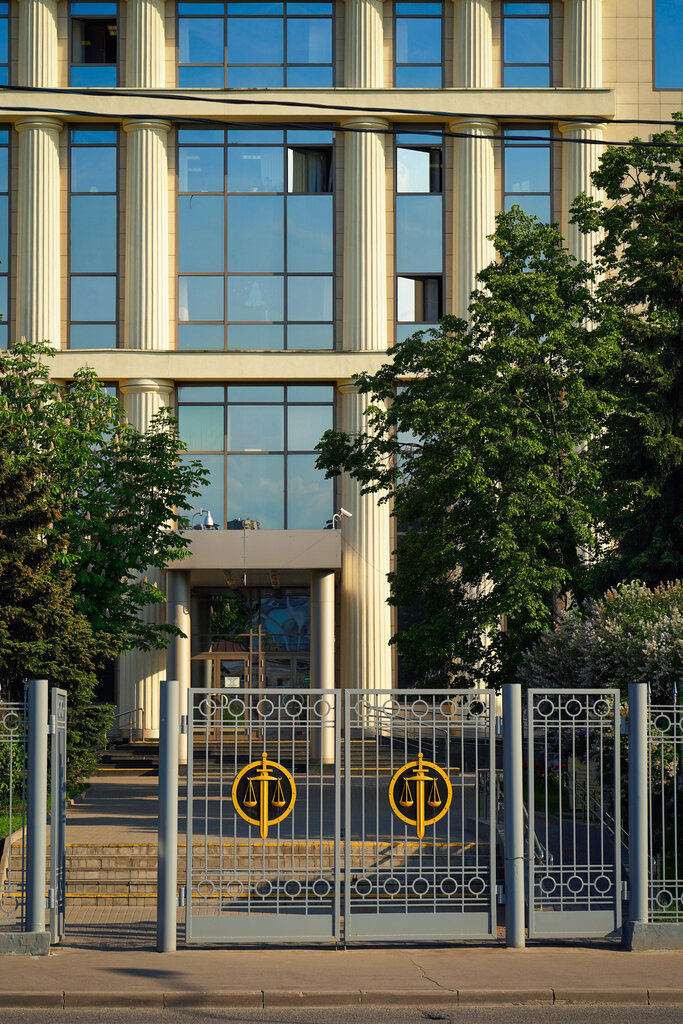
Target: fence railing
(665,787)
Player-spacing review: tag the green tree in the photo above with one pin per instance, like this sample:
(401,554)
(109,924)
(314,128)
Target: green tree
(478,436)
(86,506)
(640,297)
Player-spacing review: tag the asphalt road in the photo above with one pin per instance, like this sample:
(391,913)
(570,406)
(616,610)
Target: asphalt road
(360,1015)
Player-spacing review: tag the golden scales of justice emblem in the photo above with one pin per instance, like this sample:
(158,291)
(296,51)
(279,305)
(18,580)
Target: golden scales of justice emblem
(425,796)
(255,800)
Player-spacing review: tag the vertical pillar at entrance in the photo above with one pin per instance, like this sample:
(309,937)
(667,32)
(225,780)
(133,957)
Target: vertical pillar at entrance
(38,271)
(364,44)
(178,653)
(474,217)
(38,44)
(365,628)
(140,672)
(582,49)
(322,649)
(145,44)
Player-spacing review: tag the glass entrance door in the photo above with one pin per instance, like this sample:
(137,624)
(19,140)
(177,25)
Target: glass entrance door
(221,671)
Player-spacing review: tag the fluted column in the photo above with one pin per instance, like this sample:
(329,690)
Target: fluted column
(582,51)
(474,216)
(365,626)
(38,43)
(579,159)
(472,44)
(365,260)
(364,45)
(145,45)
(146,313)
(140,672)
(38,309)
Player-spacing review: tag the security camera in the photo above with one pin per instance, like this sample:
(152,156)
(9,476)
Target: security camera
(344,512)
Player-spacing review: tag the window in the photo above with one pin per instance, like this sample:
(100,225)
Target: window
(255,239)
(4,44)
(527,171)
(93,44)
(419,231)
(526,44)
(668,31)
(4,235)
(254,45)
(258,441)
(418,53)
(93,232)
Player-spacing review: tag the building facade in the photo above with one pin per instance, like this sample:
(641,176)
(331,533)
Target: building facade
(231,208)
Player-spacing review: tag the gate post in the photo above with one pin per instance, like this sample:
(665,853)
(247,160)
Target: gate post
(167,878)
(514,815)
(638,801)
(36,819)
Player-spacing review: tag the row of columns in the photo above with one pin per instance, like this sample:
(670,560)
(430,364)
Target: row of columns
(365,625)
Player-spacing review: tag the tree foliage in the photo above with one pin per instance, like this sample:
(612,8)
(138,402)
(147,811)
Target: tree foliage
(479,437)
(86,506)
(640,299)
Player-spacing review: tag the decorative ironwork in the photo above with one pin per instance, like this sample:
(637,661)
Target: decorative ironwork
(424,798)
(256,800)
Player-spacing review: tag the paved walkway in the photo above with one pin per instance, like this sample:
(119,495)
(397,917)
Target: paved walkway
(108,956)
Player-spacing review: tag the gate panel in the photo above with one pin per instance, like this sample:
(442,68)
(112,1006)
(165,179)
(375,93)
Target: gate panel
(263,816)
(419,847)
(58,815)
(13,758)
(574,837)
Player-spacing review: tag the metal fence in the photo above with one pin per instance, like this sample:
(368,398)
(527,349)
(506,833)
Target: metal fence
(263,815)
(665,787)
(13,746)
(420,838)
(57,893)
(574,800)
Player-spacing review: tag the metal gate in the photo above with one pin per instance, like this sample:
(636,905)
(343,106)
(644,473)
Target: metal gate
(263,815)
(419,836)
(13,757)
(574,833)
(57,896)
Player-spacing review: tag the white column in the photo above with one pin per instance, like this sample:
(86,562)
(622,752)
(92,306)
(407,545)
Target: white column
(365,628)
(178,653)
(38,43)
(140,672)
(146,321)
(474,213)
(145,45)
(582,51)
(472,44)
(364,45)
(322,652)
(579,159)
(365,229)
(38,271)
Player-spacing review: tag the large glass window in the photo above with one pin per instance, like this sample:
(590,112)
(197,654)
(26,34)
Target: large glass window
(254,45)
(4,44)
(258,443)
(255,239)
(418,45)
(94,31)
(668,32)
(526,44)
(419,231)
(93,232)
(4,235)
(527,171)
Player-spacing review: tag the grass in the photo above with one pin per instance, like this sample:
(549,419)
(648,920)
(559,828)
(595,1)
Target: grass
(7,827)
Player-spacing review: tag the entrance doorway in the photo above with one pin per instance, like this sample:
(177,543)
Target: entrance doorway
(237,671)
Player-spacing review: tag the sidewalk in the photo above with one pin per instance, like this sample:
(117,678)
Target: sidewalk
(108,956)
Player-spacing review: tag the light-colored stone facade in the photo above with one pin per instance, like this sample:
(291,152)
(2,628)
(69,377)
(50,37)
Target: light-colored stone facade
(602,70)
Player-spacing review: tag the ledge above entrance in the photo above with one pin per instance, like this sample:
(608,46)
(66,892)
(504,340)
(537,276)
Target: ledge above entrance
(262,549)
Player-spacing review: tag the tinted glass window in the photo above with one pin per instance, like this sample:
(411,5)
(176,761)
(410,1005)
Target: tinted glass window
(668,32)
(418,33)
(526,44)
(94,54)
(527,171)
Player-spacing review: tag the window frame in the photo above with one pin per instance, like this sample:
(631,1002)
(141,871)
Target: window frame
(117,65)
(436,134)
(285,275)
(529,143)
(117,272)
(655,87)
(411,17)
(284,404)
(7,270)
(284,17)
(504,18)
(7,18)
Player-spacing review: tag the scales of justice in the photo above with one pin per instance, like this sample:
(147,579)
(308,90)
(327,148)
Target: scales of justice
(265,797)
(425,795)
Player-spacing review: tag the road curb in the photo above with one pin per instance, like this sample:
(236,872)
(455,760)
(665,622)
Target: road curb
(38,1000)
(508,996)
(615,996)
(145,998)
